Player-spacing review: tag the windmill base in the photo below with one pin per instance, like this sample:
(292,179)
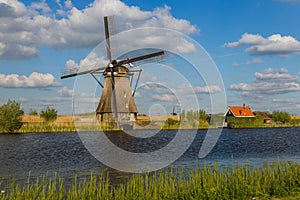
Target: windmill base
(126,121)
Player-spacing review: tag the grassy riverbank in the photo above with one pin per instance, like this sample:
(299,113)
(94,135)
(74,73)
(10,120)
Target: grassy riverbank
(274,181)
(36,124)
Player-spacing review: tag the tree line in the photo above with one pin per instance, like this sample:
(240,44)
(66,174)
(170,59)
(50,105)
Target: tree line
(11,116)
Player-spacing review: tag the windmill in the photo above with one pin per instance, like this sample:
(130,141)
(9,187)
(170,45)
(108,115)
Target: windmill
(117,98)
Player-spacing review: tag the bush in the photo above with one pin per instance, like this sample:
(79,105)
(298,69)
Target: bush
(50,114)
(33,112)
(11,117)
(171,123)
(245,122)
(279,116)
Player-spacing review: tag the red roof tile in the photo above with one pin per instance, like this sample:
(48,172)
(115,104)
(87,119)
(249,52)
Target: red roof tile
(239,111)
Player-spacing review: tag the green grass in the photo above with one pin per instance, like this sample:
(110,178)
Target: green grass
(36,127)
(280,180)
(40,127)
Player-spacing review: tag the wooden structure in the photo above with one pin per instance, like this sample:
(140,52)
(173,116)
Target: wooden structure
(125,105)
(239,111)
(117,100)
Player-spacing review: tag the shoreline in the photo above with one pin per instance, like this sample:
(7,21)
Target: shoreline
(58,129)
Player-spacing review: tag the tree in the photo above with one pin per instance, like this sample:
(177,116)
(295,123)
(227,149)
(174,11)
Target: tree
(11,116)
(282,117)
(49,114)
(33,112)
(182,115)
(202,115)
(190,115)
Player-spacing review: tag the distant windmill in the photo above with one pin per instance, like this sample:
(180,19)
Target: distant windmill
(117,99)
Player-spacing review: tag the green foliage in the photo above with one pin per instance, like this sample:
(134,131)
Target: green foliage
(245,122)
(171,123)
(295,122)
(279,116)
(275,180)
(202,115)
(182,115)
(11,117)
(33,112)
(190,115)
(216,120)
(49,114)
(40,127)
(265,114)
(143,122)
(197,115)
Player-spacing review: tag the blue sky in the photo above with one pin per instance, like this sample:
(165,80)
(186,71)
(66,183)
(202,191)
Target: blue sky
(254,44)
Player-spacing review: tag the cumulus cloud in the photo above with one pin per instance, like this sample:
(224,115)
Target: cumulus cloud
(65,92)
(164,97)
(41,6)
(25,28)
(34,80)
(210,89)
(12,8)
(153,91)
(92,61)
(251,62)
(23,100)
(269,82)
(272,45)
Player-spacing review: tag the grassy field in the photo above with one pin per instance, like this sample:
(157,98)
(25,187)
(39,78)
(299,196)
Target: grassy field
(34,123)
(279,180)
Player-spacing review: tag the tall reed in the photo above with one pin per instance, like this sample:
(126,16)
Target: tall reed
(280,179)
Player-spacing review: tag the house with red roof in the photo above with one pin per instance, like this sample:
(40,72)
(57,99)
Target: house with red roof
(239,111)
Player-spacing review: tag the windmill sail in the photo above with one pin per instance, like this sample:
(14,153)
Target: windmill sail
(117,99)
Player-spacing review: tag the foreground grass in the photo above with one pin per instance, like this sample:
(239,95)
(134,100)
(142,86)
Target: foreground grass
(280,180)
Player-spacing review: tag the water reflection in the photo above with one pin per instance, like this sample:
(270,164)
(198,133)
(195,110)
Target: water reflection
(39,153)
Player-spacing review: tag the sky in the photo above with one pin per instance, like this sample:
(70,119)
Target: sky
(250,48)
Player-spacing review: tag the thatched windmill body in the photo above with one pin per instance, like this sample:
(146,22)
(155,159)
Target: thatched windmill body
(117,99)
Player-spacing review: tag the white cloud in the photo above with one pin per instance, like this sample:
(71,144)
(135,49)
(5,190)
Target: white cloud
(269,82)
(210,89)
(34,80)
(71,64)
(41,6)
(92,61)
(251,62)
(2,48)
(164,97)
(272,45)
(246,39)
(68,4)
(12,8)
(65,92)
(37,25)
(161,17)
(22,100)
